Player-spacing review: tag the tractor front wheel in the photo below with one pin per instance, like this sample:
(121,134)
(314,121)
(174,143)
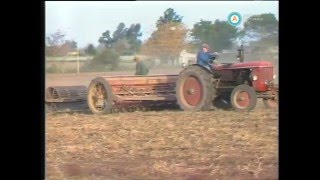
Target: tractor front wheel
(243,98)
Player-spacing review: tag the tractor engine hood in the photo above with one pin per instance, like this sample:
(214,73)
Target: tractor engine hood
(241,65)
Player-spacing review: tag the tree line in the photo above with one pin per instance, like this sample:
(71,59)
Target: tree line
(170,38)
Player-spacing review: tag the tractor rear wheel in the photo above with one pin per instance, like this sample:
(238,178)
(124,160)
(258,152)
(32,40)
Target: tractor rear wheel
(100,96)
(243,98)
(194,89)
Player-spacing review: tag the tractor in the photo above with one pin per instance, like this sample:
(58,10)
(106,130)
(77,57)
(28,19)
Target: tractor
(227,85)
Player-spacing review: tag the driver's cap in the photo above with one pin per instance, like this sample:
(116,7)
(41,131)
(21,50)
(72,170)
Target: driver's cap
(205,46)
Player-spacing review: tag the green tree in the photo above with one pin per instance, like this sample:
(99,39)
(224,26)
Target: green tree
(57,45)
(124,40)
(106,39)
(262,23)
(262,32)
(120,33)
(219,35)
(56,39)
(107,57)
(259,26)
(90,50)
(169,16)
(169,39)
(166,42)
(132,35)
(74,44)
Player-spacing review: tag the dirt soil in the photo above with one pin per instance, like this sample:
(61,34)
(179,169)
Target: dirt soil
(168,144)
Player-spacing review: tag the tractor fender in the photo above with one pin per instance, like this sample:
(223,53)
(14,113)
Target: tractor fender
(198,66)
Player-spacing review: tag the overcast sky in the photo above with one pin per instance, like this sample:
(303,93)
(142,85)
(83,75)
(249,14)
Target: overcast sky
(85,21)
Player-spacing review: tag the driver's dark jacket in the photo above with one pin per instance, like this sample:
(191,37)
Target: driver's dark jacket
(204,58)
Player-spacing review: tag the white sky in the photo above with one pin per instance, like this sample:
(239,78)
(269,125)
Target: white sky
(85,21)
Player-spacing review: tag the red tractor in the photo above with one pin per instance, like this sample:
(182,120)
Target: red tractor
(232,85)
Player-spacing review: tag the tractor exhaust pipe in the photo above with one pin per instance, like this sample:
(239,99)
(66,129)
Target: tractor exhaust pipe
(240,56)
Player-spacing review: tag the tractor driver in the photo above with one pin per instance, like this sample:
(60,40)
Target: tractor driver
(205,58)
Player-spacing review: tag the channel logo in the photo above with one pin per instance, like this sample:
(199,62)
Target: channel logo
(234,19)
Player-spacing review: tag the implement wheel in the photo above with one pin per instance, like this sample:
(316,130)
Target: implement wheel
(100,96)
